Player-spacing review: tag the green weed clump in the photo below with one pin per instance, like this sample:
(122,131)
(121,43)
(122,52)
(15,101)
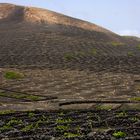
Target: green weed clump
(9,125)
(14,122)
(119,134)
(32,97)
(117,43)
(104,107)
(28,128)
(20,96)
(5,128)
(31,114)
(6,112)
(71,135)
(13,75)
(69,56)
(130,53)
(72,56)
(138,47)
(135,119)
(121,114)
(32,126)
(62,127)
(63,120)
(135,99)
(94,51)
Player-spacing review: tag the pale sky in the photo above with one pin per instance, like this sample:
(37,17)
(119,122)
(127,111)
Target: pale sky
(119,16)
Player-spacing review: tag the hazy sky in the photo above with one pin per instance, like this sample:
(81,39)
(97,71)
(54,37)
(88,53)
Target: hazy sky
(120,16)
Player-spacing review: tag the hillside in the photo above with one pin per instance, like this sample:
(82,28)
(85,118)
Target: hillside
(64,57)
(64,78)
(42,38)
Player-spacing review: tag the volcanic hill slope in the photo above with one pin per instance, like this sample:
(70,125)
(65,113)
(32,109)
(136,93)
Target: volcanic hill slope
(31,36)
(49,61)
(65,57)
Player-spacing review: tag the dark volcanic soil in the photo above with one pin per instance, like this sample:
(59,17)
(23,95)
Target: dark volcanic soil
(71,124)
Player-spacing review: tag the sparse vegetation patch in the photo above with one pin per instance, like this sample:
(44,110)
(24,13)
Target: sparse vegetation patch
(138,47)
(6,112)
(21,96)
(117,44)
(104,107)
(119,134)
(130,53)
(135,99)
(122,114)
(27,128)
(94,51)
(71,135)
(13,75)
(72,56)
(69,56)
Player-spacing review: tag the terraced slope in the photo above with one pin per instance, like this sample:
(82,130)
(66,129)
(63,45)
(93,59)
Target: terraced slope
(64,57)
(49,61)
(37,38)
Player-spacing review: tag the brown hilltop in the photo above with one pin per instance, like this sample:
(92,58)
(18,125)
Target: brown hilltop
(11,12)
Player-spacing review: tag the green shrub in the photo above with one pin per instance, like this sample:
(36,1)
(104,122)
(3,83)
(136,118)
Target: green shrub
(63,120)
(20,96)
(135,99)
(32,97)
(135,119)
(9,124)
(69,56)
(71,135)
(104,107)
(5,128)
(13,75)
(14,122)
(31,114)
(62,127)
(5,112)
(119,134)
(117,43)
(138,47)
(28,128)
(130,53)
(94,51)
(121,114)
